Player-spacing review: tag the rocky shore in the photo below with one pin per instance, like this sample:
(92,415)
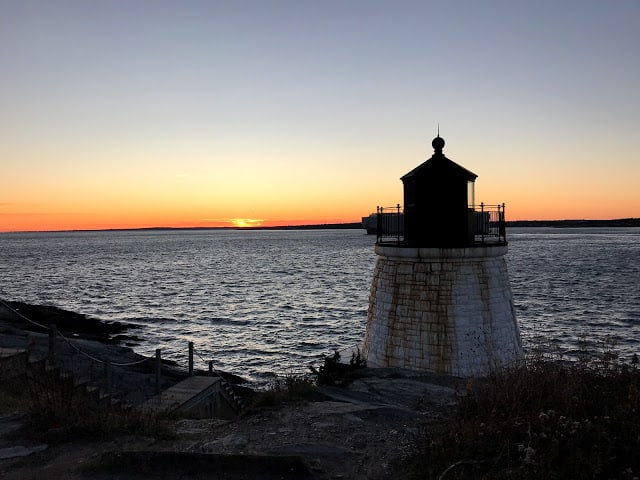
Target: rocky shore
(83,347)
(363,429)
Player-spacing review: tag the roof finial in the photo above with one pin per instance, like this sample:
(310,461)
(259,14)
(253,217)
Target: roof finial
(438,143)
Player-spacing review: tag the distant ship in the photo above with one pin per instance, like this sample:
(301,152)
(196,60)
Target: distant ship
(392,223)
(370,223)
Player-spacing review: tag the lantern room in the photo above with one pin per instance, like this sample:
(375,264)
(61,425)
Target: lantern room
(438,203)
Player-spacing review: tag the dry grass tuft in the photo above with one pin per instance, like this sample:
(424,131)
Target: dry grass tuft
(544,420)
(57,411)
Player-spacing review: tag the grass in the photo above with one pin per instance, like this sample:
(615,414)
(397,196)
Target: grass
(12,396)
(289,388)
(543,420)
(57,411)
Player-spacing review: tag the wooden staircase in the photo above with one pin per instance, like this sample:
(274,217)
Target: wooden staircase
(17,363)
(197,397)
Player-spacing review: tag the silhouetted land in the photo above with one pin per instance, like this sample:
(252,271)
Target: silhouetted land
(620,222)
(322,226)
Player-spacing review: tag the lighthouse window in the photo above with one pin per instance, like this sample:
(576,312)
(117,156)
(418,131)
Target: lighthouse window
(471,196)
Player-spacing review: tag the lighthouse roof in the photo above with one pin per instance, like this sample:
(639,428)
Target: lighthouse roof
(440,166)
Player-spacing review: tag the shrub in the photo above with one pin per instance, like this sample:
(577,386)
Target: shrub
(292,387)
(541,420)
(334,372)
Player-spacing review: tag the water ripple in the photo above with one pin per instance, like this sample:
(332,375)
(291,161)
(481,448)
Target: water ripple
(263,301)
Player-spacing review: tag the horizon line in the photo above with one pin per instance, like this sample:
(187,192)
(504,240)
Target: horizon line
(339,225)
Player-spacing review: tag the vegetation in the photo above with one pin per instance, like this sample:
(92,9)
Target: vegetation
(290,388)
(12,395)
(56,410)
(333,372)
(544,420)
(301,387)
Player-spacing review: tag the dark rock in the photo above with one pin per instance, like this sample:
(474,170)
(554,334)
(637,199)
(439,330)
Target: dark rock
(67,322)
(202,465)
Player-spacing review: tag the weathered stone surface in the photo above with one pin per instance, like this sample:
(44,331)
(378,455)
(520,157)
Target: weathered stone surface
(20,451)
(443,310)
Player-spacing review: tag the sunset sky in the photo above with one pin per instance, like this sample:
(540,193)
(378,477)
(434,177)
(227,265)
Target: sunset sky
(118,114)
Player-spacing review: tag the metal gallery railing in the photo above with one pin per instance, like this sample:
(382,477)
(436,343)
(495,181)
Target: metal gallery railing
(389,224)
(489,223)
(486,222)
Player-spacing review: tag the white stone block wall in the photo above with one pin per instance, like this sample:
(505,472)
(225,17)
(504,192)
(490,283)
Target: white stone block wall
(443,310)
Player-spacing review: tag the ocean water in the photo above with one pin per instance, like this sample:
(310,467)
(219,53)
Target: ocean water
(577,290)
(258,302)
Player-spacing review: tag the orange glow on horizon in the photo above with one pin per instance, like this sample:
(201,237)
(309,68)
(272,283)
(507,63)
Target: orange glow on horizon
(32,221)
(49,209)
(69,223)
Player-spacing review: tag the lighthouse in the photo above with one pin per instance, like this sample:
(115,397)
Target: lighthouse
(440,296)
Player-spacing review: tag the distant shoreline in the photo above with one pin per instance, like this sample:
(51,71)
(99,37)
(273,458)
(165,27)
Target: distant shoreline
(322,226)
(618,222)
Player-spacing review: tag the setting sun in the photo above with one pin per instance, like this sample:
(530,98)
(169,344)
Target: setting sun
(246,222)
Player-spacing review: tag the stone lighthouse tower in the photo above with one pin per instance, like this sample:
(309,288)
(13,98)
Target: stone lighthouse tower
(440,296)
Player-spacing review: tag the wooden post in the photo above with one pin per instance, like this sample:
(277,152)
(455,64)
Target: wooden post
(158,369)
(191,359)
(53,334)
(211,368)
